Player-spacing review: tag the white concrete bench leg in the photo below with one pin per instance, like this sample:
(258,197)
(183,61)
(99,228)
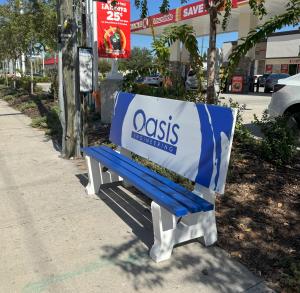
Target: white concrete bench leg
(209,226)
(169,230)
(164,224)
(97,176)
(199,225)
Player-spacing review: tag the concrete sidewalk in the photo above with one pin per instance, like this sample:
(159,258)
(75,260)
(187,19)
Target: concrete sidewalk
(54,238)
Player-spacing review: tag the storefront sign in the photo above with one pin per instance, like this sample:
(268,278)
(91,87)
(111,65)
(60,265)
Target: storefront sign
(269,68)
(160,129)
(154,20)
(114,29)
(284,68)
(237,84)
(193,10)
(175,15)
(85,57)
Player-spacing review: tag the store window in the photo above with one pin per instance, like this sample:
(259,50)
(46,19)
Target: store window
(293,69)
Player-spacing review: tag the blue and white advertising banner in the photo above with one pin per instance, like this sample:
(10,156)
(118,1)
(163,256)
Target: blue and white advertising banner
(193,140)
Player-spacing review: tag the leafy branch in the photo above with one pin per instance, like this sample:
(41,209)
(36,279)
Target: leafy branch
(290,17)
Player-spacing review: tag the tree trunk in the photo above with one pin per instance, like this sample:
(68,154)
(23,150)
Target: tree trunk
(212,55)
(68,37)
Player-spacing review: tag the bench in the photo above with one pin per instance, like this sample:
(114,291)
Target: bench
(193,140)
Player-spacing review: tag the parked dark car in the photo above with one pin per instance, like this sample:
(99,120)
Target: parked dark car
(262,79)
(273,80)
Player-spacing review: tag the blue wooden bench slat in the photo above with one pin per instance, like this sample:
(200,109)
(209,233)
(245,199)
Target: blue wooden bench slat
(206,206)
(154,193)
(138,169)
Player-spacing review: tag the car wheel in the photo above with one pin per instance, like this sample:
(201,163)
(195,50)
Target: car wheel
(266,90)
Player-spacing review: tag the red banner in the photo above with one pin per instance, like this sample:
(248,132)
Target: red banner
(114,29)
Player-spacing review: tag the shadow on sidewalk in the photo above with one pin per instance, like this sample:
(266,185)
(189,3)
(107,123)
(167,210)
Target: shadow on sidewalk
(129,205)
(193,264)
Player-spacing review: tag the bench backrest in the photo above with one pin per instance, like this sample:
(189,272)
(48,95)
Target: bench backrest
(193,140)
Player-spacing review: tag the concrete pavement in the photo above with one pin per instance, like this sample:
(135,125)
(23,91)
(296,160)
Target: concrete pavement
(54,238)
(255,103)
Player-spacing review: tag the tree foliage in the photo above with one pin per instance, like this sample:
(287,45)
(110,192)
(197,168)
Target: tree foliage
(140,60)
(290,17)
(104,66)
(220,13)
(20,26)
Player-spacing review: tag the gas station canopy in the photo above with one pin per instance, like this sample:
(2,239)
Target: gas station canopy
(195,15)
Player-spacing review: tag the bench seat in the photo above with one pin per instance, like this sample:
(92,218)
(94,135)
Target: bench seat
(173,197)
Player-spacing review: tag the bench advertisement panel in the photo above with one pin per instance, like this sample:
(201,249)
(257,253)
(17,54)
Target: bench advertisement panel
(178,135)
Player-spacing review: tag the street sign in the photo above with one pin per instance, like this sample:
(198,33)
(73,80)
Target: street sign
(113,29)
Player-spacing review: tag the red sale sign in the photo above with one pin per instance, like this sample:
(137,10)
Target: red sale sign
(114,29)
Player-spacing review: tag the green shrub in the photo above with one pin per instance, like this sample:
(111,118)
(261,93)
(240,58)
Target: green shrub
(39,122)
(242,134)
(54,84)
(8,98)
(27,105)
(50,123)
(2,80)
(147,90)
(290,275)
(25,83)
(42,79)
(279,143)
(53,122)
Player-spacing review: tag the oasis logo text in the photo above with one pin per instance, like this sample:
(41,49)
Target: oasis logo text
(160,134)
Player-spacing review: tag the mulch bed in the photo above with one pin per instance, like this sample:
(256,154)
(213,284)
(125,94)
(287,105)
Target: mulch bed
(258,217)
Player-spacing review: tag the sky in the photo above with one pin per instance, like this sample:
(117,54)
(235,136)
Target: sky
(145,41)
(153,6)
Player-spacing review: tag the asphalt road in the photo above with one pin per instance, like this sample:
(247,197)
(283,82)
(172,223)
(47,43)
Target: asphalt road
(255,104)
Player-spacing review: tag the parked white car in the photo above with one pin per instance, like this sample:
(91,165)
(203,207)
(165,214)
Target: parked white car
(155,80)
(192,83)
(286,101)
